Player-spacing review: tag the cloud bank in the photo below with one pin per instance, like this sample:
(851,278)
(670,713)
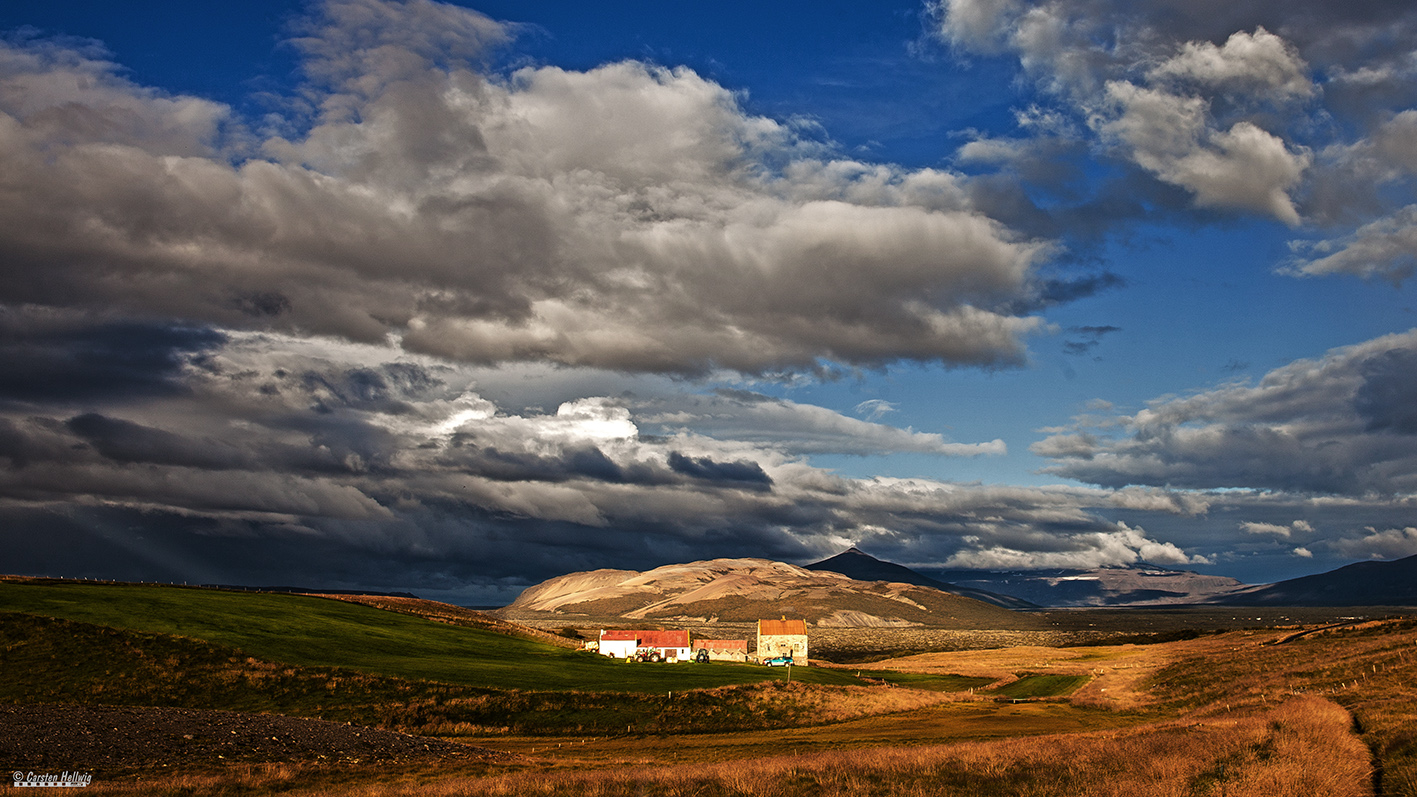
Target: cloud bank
(631,217)
(371,469)
(1343,424)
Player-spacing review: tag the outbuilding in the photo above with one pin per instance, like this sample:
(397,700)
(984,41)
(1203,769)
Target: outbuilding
(722,649)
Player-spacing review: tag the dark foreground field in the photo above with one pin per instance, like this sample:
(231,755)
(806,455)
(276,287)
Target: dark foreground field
(173,694)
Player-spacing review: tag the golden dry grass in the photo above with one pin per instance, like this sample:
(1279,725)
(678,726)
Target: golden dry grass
(1302,747)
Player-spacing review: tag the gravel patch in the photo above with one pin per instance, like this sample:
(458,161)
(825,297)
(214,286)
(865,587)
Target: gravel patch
(72,737)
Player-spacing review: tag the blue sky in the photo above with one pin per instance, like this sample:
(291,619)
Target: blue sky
(455,298)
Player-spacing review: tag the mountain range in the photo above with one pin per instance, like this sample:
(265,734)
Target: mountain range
(862,566)
(1127,585)
(854,588)
(744,590)
(1391,583)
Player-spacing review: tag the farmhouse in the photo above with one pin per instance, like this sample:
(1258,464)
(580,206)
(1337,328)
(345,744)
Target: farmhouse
(618,644)
(723,649)
(782,638)
(623,644)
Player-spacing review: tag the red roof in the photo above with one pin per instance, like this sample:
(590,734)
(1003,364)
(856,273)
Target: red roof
(664,639)
(781,627)
(648,639)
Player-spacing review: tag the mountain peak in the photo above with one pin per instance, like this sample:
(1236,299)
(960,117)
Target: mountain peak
(856,563)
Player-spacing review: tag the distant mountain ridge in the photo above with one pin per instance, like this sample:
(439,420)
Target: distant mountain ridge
(856,589)
(860,565)
(1391,583)
(1140,584)
(745,590)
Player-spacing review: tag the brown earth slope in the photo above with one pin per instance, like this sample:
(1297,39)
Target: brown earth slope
(744,590)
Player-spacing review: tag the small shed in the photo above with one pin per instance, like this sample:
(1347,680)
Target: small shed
(782,638)
(723,649)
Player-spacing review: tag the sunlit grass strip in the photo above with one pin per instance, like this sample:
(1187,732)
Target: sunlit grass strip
(1029,686)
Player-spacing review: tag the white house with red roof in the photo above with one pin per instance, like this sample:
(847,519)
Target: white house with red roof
(625,643)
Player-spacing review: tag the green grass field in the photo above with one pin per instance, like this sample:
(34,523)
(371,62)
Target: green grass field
(1042,686)
(320,632)
(929,682)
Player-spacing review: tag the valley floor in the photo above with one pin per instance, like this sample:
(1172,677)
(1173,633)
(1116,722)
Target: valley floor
(1314,711)
(328,697)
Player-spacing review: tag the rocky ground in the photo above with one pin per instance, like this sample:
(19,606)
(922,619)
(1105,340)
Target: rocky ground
(54,737)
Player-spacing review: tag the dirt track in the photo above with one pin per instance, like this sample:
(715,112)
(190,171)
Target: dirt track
(86,738)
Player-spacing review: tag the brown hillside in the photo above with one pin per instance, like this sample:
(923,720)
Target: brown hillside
(744,590)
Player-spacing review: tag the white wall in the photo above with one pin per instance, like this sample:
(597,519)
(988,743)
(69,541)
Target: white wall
(618,648)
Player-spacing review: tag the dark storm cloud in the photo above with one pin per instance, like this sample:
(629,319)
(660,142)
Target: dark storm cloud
(409,478)
(1387,399)
(582,462)
(705,468)
(125,441)
(368,388)
(36,439)
(39,362)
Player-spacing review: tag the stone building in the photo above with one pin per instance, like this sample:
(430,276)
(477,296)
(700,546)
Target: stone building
(782,638)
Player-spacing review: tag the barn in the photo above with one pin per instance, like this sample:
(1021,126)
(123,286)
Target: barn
(671,645)
(783,637)
(723,649)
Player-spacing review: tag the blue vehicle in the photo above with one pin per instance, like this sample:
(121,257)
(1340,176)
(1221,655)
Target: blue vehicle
(779,661)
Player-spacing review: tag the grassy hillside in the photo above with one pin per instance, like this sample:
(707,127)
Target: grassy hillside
(319,632)
(48,660)
(1368,668)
